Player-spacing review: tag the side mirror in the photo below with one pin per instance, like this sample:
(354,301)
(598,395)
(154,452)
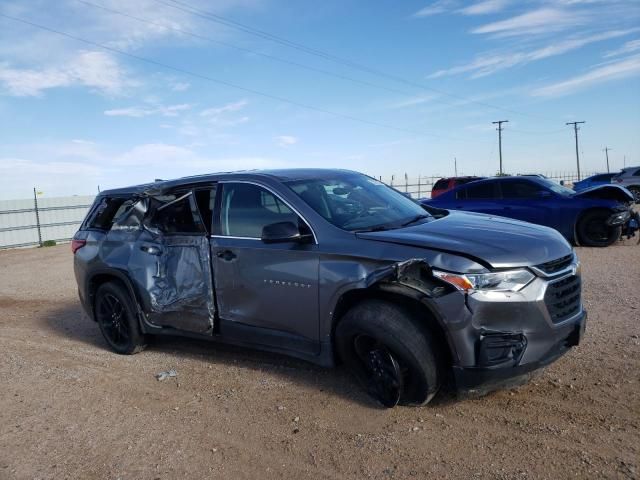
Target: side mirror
(562,183)
(281,232)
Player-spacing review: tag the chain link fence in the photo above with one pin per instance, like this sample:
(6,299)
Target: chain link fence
(42,220)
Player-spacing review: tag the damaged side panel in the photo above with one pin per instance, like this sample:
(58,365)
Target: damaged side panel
(172,272)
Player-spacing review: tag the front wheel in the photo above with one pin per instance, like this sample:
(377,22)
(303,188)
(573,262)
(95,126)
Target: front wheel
(636,193)
(593,230)
(116,317)
(394,359)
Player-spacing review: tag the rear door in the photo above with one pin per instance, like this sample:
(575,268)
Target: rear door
(528,201)
(267,289)
(479,197)
(171,266)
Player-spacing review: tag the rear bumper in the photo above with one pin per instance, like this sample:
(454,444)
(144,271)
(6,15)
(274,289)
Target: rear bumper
(472,379)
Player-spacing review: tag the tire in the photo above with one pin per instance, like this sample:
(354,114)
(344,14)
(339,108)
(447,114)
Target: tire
(407,351)
(636,193)
(593,231)
(117,319)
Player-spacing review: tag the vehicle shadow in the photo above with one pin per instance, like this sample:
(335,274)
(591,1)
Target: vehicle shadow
(71,322)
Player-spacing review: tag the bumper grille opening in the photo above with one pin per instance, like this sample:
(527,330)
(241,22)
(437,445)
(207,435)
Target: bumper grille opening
(555,265)
(562,298)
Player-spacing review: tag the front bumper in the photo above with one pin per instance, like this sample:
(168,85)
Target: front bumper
(496,337)
(487,378)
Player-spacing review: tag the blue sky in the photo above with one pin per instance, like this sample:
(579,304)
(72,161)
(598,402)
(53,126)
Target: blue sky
(387,87)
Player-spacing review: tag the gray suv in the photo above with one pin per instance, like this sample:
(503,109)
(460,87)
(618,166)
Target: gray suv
(331,266)
(629,177)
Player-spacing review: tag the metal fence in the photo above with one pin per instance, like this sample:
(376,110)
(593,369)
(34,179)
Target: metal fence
(32,222)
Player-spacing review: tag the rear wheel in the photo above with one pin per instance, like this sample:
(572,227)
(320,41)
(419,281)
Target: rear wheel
(593,230)
(636,193)
(394,359)
(116,317)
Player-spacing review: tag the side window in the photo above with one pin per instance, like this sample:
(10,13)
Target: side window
(519,189)
(247,208)
(107,211)
(178,215)
(637,173)
(477,192)
(205,199)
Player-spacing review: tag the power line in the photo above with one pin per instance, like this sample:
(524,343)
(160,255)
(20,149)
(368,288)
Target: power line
(575,130)
(499,123)
(246,50)
(212,17)
(226,83)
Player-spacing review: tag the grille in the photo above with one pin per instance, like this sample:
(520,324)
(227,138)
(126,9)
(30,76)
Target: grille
(562,298)
(555,265)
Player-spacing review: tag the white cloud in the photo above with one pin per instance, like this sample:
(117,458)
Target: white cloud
(412,102)
(629,47)
(286,140)
(543,20)
(440,6)
(180,86)
(487,64)
(142,111)
(229,107)
(485,7)
(96,70)
(624,68)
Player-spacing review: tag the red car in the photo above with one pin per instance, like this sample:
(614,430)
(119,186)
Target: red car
(449,183)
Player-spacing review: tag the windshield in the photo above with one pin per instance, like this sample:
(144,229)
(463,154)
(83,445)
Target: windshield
(554,187)
(358,203)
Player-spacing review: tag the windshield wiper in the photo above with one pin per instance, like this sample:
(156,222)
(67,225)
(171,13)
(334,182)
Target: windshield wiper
(377,228)
(415,219)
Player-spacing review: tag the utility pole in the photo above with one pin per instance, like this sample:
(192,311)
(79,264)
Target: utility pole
(500,122)
(575,130)
(606,152)
(455,165)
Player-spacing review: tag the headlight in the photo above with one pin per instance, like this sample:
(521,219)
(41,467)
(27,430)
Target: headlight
(507,281)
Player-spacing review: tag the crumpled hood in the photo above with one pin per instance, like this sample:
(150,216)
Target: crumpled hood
(498,241)
(606,192)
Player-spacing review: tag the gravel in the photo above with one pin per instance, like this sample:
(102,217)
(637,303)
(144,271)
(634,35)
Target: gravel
(70,408)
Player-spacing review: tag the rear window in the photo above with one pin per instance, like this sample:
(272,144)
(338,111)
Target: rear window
(462,181)
(441,184)
(107,210)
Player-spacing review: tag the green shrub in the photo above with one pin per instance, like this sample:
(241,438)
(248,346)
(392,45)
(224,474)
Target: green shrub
(49,243)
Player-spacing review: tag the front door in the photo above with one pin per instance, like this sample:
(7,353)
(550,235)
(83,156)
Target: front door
(271,288)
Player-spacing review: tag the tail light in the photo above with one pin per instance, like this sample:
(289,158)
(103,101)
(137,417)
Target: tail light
(77,245)
(619,180)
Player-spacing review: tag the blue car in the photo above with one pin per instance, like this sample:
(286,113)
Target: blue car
(593,181)
(593,217)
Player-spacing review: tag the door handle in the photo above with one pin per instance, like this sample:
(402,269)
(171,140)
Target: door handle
(151,249)
(226,255)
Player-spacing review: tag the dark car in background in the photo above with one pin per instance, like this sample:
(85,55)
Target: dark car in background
(593,217)
(331,266)
(630,178)
(593,181)
(449,183)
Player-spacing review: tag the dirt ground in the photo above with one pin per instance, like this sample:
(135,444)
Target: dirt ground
(69,408)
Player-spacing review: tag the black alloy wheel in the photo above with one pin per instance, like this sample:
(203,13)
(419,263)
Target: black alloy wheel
(385,379)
